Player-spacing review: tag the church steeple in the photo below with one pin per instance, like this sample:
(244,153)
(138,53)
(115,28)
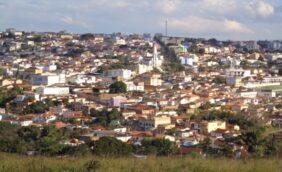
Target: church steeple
(155,56)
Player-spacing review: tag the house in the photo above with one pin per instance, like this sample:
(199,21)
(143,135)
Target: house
(153,80)
(208,127)
(190,150)
(117,101)
(47,79)
(53,90)
(133,86)
(46,118)
(142,109)
(6,82)
(122,73)
(82,79)
(128,113)
(190,142)
(189,60)
(154,122)
(276,120)
(24,121)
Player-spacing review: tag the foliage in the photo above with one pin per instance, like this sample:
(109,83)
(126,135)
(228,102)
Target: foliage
(39,107)
(7,95)
(118,87)
(109,146)
(92,165)
(161,147)
(219,80)
(160,164)
(105,117)
(16,139)
(174,67)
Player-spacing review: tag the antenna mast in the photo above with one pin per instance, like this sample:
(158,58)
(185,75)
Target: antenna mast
(166,28)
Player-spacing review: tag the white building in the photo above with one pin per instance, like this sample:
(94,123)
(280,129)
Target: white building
(248,94)
(47,68)
(142,68)
(154,80)
(82,79)
(154,122)
(238,72)
(47,79)
(123,73)
(131,86)
(59,91)
(234,81)
(120,41)
(189,60)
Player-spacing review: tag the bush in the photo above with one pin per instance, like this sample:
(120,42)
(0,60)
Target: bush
(160,147)
(93,165)
(118,87)
(109,146)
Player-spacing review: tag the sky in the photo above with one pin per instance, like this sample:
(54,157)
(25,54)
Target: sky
(221,19)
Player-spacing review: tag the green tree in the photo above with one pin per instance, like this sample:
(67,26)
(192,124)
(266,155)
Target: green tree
(161,147)
(118,87)
(271,144)
(105,117)
(253,139)
(109,146)
(49,142)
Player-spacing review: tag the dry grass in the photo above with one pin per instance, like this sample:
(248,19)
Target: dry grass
(15,163)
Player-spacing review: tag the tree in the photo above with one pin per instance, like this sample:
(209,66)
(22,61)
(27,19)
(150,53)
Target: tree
(271,145)
(161,147)
(253,139)
(219,80)
(110,146)
(118,87)
(8,95)
(93,165)
(37,108)
(105,117)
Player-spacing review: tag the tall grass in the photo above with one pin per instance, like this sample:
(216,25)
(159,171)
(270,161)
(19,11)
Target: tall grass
(16,163)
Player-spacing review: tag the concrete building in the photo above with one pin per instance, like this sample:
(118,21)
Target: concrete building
(47,79)
(58,91)
(123,73)
(212,126)
(154,122)
(131,86)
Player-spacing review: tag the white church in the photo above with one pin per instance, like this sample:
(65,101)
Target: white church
(148,64)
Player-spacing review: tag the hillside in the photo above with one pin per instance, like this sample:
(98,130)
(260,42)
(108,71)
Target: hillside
(17,163)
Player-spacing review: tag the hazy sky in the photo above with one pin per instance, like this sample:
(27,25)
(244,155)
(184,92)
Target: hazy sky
(222,19)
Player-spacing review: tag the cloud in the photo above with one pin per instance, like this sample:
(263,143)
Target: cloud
(218,6)
(234,26)
(168,6)
(195,24)
(223,18)
(72,21)
(120,4)
(260,8)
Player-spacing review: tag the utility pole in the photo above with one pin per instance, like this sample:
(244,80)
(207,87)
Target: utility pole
(166,28)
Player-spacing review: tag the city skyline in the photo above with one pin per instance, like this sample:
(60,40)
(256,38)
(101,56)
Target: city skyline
(221,19)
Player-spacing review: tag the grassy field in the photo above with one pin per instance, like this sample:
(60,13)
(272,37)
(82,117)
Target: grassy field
(15,163)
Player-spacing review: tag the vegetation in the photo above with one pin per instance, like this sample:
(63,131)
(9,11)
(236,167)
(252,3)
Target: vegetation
(109,146)
(118,87)
(6,95)
(161,147)
(15,139)
(123,62)
(104,117)
(259,143)
(47,141)
(16,163)
(39,107)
